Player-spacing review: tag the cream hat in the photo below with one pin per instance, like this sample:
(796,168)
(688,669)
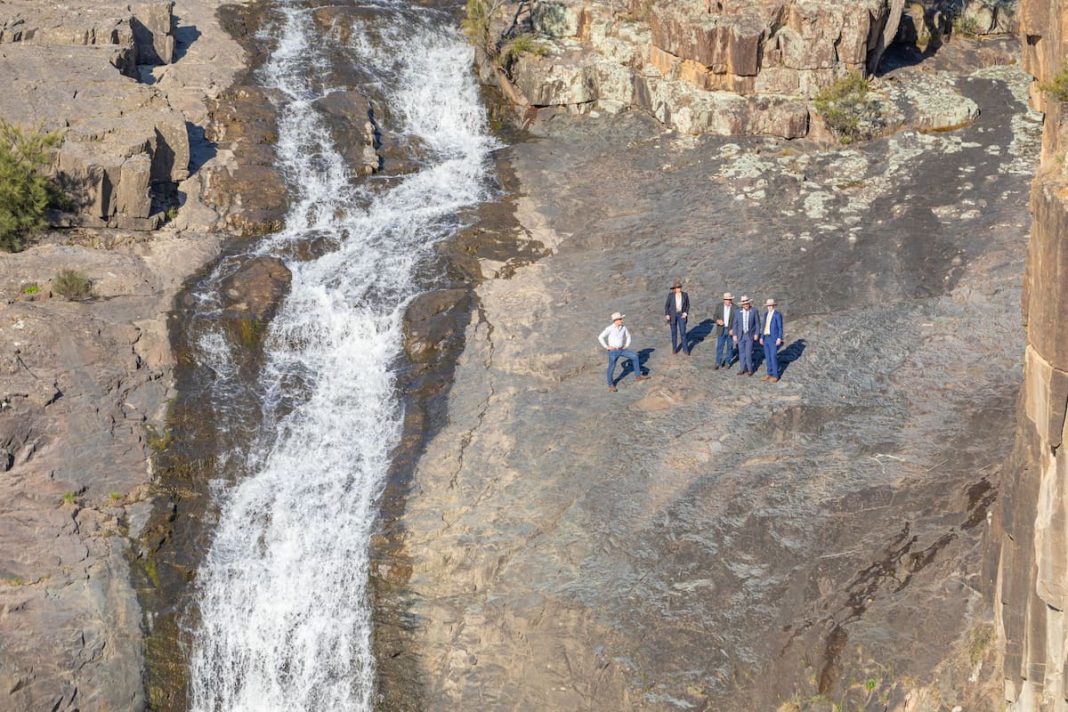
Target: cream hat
(769,303)
(617,315)
(728,295)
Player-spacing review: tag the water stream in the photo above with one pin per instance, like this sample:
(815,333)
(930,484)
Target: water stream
(284,619)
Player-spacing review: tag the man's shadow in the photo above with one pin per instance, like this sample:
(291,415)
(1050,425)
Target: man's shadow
(643,358)
(699,333)
(789,354)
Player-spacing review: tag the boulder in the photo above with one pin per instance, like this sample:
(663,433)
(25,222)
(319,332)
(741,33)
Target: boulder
(120,137)
(349,118)
(256,289)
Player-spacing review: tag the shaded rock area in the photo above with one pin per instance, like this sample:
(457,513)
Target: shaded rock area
(704,541)
(85,386)
(723,68)
(1028,554)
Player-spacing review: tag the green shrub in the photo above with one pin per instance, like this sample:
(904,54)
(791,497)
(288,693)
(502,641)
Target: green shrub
(1058,86)
(520,45)
(70,497)
(73,285)
(171,214)
(30,289)
(25,191)
(846,108)
(965,25)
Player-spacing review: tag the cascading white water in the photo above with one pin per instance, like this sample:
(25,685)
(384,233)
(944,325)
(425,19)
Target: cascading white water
(284,613)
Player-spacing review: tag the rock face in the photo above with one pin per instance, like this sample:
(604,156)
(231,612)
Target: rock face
(729,67)
(1031,532)
(78,384)
(701,540)
(84,386)
(123,142)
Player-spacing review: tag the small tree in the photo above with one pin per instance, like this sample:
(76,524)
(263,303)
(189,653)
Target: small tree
(25,191)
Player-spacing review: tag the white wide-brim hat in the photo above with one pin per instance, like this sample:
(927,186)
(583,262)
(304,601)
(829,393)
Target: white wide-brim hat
(769,303)
(617,315)
(728,295)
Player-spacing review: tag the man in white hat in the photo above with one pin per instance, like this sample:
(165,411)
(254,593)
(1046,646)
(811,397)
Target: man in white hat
(771,339)
(722,331)
(616,341)
(745,332)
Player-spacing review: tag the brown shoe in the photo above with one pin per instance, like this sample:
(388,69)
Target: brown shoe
(752,373)
(765,378)
(715,368)
(642,378)
(773,379)
(743,373)
(613,389)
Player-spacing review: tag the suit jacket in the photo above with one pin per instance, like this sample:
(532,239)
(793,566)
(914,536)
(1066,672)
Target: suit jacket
(755,323)
(669,305)
(718,316)
(776,326)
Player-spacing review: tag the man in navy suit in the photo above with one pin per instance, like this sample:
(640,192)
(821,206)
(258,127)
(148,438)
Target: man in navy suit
(745,331)
(771,339)
(676,310)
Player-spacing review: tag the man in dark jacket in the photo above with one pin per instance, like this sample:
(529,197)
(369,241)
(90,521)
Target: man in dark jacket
(724,318)
(676,309)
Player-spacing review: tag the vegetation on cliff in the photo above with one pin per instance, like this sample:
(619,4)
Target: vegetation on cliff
(846,108)
(25,189)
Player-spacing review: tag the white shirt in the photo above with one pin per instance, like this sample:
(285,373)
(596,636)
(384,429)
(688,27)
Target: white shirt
(678,302)
(745,319)
(618,337)
(726,316)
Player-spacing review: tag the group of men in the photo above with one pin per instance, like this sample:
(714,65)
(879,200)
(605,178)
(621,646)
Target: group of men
(737,331)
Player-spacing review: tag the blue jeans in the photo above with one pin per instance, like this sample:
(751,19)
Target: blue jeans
(724,349)
(678,334)
(771,357)
(745,352)
(616,354)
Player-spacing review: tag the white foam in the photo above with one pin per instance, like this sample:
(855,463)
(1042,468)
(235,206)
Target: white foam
(282,592)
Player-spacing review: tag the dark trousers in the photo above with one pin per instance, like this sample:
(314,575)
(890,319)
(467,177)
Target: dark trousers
(771,357)
(745,352)
(678,334)
(616,354)
(724,349)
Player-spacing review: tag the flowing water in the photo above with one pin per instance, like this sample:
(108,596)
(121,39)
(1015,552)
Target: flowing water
(284,619)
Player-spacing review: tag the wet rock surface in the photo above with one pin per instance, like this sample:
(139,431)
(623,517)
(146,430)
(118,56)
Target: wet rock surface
(704,541)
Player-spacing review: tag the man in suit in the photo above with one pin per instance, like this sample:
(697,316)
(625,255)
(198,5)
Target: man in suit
(724,341)
(745,332)
(676,309)
(615,339)
(771,339)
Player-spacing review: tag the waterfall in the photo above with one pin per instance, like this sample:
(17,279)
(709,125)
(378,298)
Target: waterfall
(284,618)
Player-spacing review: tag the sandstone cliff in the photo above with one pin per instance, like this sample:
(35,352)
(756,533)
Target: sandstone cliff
(727,67)
(1031,531)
